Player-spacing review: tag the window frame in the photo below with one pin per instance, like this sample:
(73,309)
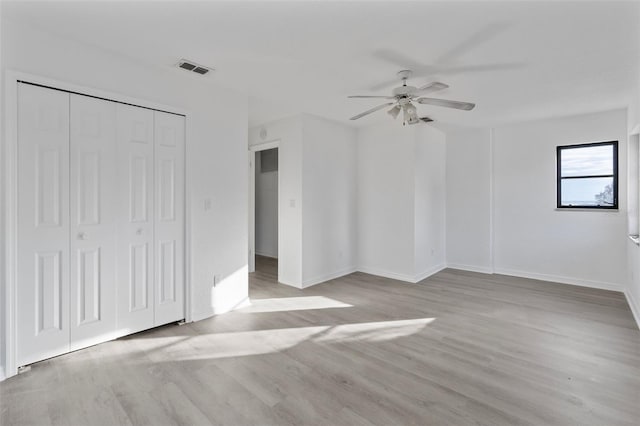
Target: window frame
(559,178)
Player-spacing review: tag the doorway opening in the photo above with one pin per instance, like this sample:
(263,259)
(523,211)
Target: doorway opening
(264,210)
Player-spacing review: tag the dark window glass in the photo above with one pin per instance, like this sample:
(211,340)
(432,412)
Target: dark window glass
(588,175)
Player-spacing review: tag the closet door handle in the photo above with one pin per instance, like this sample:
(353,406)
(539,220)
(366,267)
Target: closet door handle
(139,231)
(82,236)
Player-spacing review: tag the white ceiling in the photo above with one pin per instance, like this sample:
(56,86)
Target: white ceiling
(515,60)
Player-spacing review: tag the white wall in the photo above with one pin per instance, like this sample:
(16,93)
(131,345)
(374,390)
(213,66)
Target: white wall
(216,148)
(266,210)
(317,197)
(501,204)
(2,197)
(288,132)
(430,201)
(469,199)
(329,200)
(633,250)
(533,238)
(401,202)
(386,200)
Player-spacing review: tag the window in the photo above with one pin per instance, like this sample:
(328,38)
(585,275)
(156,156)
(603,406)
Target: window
(588,175)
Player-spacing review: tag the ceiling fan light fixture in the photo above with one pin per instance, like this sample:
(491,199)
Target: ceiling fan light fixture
(393,112)
(410,109)
(410,113)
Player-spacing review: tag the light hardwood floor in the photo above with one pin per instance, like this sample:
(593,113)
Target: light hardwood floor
(458,348)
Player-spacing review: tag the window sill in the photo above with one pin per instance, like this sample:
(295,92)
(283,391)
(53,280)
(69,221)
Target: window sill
(635,239)
(588,209)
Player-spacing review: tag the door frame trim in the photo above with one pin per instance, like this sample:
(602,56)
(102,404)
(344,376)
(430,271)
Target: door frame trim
(275,143)
(10,178)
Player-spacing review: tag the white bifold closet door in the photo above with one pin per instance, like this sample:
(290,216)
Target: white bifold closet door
(135,219)
(93,229)
(43,224)
(169,217)
(66,232)
(150,218)
(100,221)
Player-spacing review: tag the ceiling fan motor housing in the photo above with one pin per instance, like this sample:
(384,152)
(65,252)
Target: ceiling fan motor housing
(404,90)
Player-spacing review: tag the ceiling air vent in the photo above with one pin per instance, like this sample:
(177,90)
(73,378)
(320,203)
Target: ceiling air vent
(201,70)
(192,66)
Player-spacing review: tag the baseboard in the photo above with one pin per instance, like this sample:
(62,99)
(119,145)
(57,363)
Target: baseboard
(562,280)
(470,268)
(199,316)
(241,304)
(290,284)
(267,255)
(431,271)
(326,277)
(402,277)
(386,274)
(635,307)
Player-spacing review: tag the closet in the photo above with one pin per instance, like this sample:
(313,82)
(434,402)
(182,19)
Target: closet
(100,220)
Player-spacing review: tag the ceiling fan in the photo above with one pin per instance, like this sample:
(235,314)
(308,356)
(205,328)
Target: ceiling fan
(404,95)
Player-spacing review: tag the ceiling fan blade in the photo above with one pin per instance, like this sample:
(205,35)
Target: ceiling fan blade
(383,85)
(402,61)
(461,69)
(466,106)
(472,41)
(442,70)
(366,96)
(432,87)
(362,114)
(398,59)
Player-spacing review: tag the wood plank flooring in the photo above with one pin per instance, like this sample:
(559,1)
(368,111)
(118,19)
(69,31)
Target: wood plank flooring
(458,348)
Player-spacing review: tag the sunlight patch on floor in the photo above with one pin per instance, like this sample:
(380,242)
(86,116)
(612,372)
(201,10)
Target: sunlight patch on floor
(374,331)
(246,343)
(283,304)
